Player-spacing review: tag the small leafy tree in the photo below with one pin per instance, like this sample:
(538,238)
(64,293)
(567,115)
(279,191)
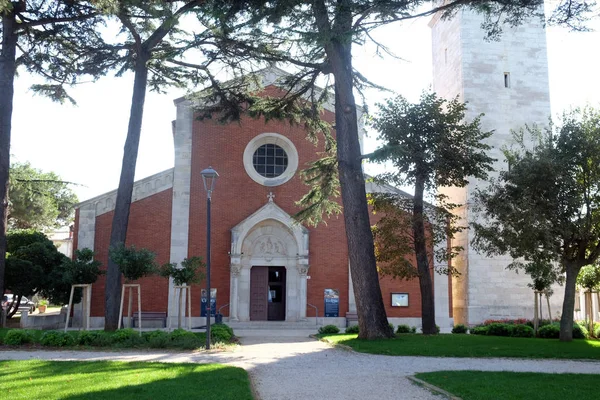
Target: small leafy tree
(589,279)
(430,145)
(191,271)
(133,263)
(82,269)
(546,206)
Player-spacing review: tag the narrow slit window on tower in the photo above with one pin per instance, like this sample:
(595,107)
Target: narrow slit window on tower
(507,79)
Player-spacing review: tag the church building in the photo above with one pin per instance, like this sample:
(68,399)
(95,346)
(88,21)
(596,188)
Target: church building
(264,265)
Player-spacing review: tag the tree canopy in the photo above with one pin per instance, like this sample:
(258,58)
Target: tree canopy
(545,208)
(429,145)
(35,266)
(38,200)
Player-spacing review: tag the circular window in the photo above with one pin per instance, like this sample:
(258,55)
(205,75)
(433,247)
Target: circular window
(270,159)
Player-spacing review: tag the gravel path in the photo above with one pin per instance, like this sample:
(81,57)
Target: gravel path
(295,368)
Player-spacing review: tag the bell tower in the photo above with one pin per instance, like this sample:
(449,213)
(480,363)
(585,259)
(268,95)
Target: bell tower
(507,80)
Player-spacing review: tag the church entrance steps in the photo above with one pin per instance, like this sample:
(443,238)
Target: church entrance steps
(273,325)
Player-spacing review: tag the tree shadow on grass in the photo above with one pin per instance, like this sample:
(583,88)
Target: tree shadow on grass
(123,380)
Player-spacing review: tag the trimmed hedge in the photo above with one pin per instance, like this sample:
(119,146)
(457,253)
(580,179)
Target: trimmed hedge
(553,331)
(404,329)
(460,328)
(123,338)
(352,329)
(329,330)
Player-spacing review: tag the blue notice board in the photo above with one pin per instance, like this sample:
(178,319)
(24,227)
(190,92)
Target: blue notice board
(332,302)
(213,303)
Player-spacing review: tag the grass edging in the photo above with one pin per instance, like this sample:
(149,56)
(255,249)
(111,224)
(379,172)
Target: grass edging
(433,388)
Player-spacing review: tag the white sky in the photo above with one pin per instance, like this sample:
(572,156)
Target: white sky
(84,143)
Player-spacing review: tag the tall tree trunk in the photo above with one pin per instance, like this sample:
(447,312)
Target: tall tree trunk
(372,318)
(425,284)
(112,294)
(7,79)
(566,320)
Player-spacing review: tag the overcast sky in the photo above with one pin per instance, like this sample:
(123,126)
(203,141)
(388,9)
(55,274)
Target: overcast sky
(84,143)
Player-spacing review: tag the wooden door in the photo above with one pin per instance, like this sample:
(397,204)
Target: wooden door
(259,290)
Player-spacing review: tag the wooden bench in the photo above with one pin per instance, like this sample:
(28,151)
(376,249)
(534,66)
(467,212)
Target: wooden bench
(351,317)
(148,316)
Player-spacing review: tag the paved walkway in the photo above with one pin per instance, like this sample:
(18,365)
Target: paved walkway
(298,368)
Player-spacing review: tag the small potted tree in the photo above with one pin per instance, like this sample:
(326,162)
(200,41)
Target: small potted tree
(42,306)
(191,270)
(134,264)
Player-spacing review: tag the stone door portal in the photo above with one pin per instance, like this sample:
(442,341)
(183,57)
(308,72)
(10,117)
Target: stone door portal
(267,293)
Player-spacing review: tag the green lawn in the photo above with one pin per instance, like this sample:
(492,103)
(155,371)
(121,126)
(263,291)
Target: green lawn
(120,380)
(479,385)
(471,346)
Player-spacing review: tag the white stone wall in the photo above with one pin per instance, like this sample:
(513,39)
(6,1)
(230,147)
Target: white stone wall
(467,65)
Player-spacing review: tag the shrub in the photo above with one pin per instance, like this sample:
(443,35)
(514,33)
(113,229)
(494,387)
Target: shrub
(16,337)
(183,339)
(85,338)
(498,329)
(221,333)
(124,335)
(57,339)
(352,329)
(413,329)
(597,331)
(391,326)
(460,328)
(551,331)
(479,330)
(156,339)
(329,330)
(580,331)
(522,331)
(101,339)
(404,329)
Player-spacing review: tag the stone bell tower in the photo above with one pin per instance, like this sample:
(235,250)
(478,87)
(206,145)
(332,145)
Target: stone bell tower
(507,80)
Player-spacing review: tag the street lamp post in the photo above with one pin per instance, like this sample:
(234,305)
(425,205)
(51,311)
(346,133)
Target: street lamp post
(209,177)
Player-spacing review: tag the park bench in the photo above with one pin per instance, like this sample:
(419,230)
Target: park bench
(148,316)
(350,318)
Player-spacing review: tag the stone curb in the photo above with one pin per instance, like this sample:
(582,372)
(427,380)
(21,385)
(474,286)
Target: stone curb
(433,388)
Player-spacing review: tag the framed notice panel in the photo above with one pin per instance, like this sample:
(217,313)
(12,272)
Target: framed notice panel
(213,302)
(399,299)
(332,302)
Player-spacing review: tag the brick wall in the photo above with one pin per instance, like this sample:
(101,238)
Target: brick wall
(149,227)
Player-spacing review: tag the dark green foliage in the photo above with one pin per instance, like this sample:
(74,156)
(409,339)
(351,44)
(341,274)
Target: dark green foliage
(499,329)
(329,329)
(479,330)
(580,331)
(16,337)
(133,263)
(220,333)
(190,271)
(391,326)
(459,328)
(597,331)
(57,339)
(404,329)
(522,331)
(543,211)
(352,329)
(38,200)
(589,277)
(183,339)
(34,265)
(551,331)
(157,339)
